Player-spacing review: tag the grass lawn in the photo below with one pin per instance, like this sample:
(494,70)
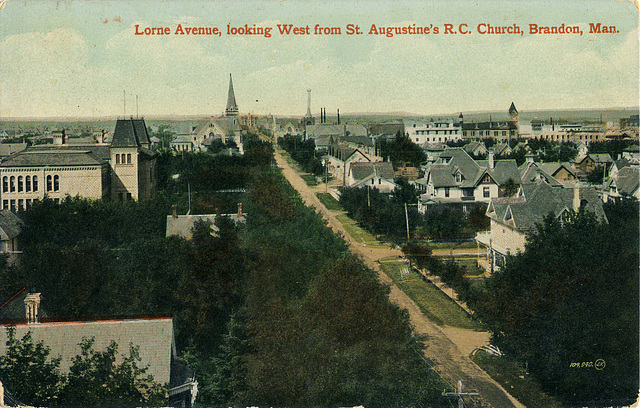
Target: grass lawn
(310,179)
(431,300)
(328,201)
(454,245)
(471,269)
(513,377)
(344,219)
(360,234)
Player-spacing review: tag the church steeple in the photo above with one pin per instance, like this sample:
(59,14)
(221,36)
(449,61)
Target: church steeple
(232,107)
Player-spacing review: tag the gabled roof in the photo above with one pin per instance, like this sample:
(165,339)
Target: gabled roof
(628,180)
(504,170)
(512,109)
(473,147)
(531,173)
(363,171)
(539,200)
(502,148)
(601,157)
(154,336)
(458,160)
(553,168)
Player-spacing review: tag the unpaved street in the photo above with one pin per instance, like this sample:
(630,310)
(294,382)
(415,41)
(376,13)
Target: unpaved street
(448,348)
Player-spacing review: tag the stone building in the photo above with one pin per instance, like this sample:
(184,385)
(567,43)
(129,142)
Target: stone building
(123,170)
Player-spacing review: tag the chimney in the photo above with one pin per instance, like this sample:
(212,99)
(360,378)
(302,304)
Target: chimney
(239,210)
(576,198)
(32,304)
(529,158)
(175,211)
(338,116)
(491,162)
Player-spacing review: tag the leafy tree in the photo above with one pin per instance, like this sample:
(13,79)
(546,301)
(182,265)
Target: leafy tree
(509,188)
(95,379)
(402,151)
(572,297)
(28,372)
(418,253)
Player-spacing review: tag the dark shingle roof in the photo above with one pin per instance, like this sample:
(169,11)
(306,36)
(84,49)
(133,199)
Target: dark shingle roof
(10,225)
(540,200)
(130,133)
(52,158)
(360,171)
(628,180)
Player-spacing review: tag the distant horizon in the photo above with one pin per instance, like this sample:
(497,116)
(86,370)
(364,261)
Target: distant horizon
(329,114)
(82,59)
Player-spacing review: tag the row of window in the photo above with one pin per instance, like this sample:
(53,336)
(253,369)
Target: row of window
(485,133)
(434,139)
(123,158)
(28,183)
(486,192)
(20,204)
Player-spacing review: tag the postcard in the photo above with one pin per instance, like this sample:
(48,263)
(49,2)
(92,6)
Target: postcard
(489,115)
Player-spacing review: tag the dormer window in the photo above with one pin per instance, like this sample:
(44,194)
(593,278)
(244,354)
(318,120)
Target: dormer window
(459,177)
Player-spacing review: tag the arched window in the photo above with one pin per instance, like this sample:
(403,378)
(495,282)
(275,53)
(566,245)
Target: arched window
(20,184)
(35,183)
(12,184)
(117,159)
(28,183)
(49,183)
(129,158)
(5,184)
(56,183)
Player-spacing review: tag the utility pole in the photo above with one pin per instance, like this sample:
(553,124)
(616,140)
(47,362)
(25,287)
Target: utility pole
(406,216)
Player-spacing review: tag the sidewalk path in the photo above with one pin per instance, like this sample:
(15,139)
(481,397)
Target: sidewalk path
(447,348)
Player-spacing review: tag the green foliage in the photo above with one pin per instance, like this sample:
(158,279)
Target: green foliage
(418,253)
(402,151)
(304,152)
(95,379)
(597,175)
(572,297)
(28,372)
(509,188)
(380,213)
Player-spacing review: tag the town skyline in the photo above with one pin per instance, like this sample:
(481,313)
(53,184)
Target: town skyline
(75,59)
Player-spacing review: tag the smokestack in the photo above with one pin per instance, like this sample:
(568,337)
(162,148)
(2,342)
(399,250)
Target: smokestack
(338,116)
(239,210)
(32,304)
(175,211)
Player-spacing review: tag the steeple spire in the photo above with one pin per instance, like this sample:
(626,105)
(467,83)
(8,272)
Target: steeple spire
(232,107)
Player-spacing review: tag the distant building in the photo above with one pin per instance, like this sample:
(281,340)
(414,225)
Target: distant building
(498,130)
(10,230)
(625,183)
(432,132)
(182,225)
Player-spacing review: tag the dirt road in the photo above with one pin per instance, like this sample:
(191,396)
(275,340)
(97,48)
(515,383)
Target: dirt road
(448,348)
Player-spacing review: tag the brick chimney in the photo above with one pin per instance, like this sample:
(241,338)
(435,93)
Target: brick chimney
(576,198)
(32,304)
(491,162)
(239,210)
(175,211)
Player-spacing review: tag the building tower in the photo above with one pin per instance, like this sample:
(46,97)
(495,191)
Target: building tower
(308,118)
(232,107)
(513,122)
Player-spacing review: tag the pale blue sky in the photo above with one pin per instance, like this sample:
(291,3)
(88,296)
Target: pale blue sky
(74,58)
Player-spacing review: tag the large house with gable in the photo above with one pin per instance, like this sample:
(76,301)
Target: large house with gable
(455,178)
(513,218)
(375,175)
(122,170)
